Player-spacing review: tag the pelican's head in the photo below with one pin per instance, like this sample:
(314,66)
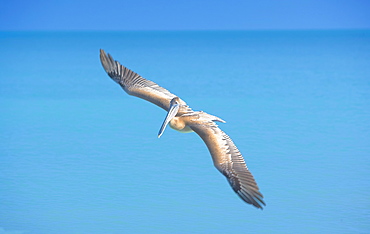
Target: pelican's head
(172,111)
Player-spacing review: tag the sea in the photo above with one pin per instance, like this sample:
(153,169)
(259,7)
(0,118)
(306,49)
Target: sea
(79,155)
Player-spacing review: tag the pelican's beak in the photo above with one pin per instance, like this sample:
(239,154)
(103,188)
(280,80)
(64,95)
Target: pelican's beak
(171,113)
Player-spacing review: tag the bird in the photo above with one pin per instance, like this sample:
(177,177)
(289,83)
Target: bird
(225,155)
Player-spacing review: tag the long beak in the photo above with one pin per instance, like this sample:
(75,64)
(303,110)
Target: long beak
(171,113)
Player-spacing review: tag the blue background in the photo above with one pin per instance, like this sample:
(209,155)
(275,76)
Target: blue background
(183,15)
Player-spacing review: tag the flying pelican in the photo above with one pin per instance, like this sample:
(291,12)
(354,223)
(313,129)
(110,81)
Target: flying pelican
(226,156)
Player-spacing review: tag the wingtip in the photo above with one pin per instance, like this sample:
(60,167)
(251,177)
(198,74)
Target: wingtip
(102,52)
(261,204)
(102,55)
(107,62)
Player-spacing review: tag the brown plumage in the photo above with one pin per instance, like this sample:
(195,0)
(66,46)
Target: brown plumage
(226,156)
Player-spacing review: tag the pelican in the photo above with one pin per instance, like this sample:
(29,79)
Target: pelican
(226,156)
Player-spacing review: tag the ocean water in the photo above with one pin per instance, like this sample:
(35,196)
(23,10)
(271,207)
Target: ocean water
(79,155)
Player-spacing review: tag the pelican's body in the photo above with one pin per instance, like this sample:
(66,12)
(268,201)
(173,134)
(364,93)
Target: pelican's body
(226,156)
(179,124)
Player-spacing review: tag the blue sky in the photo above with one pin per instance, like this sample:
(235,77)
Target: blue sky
(183,15)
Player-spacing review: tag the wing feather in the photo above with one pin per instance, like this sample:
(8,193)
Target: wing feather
(136,85)
(229,161)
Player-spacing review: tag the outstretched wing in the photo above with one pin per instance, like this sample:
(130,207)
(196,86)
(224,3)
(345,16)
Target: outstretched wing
(136,85)
(229,161)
